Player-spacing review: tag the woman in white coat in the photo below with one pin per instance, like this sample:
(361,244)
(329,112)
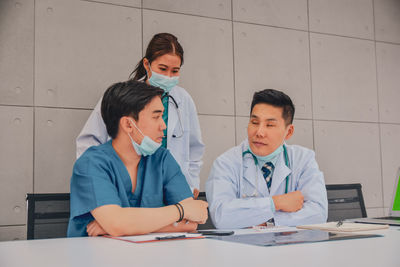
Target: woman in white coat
(161,67)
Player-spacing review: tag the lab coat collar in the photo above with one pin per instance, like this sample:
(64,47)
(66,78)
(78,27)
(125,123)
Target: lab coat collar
(248,170)
(281,171)
(174,93)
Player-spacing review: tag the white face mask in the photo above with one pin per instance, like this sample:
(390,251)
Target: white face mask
(164,82)
(147,147)
(269,157)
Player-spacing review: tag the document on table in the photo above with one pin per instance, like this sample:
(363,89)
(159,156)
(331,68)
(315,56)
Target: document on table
(292,237)
(154,237)
(268,229)
(344,227)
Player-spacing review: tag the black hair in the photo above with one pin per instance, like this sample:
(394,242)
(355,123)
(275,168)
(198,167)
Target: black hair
(161,44)
(277,99)
(125,99)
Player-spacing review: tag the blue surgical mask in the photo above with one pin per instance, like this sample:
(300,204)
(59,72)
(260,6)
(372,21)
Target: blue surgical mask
(164,82)
(269,157)
(147,147)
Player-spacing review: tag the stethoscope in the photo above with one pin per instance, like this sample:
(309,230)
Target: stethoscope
(179,114)
(256,162)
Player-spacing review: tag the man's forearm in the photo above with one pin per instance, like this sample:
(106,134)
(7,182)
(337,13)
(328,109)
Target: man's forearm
(183,226)
(118,221)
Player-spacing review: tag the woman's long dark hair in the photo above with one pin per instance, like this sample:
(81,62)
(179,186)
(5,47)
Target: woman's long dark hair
(160,44)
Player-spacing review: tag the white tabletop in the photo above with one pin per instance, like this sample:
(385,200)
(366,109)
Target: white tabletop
(100,251)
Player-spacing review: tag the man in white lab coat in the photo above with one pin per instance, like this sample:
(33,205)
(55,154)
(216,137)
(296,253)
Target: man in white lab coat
(263,180)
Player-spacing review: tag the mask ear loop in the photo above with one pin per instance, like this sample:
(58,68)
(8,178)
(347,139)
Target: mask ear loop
(136,127)
(148,76)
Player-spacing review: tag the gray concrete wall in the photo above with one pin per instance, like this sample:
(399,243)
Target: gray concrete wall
(338,59)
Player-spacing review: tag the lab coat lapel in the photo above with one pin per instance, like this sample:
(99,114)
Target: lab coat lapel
(280,173)
(249,170)
(250,173)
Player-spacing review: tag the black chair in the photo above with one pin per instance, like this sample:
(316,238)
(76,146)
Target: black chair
(208,224)
(48,215)
(345,201)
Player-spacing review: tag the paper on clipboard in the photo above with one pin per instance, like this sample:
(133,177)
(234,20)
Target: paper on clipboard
(155,237)
(345,227)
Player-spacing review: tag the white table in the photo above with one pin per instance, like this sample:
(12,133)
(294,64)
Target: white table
(99,251)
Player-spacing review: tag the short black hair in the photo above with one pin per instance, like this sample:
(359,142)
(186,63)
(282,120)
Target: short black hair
(125,99)
(277,99)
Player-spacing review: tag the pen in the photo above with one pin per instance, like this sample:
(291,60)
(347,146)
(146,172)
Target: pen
(340,222)
(168,237)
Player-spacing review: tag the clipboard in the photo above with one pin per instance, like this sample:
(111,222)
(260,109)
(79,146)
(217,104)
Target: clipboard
(156,237)
(344,227)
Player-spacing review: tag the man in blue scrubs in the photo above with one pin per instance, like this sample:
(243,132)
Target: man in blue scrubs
(263,180)
(130,185)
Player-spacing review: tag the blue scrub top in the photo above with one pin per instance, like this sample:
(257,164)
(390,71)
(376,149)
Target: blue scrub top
(100,178)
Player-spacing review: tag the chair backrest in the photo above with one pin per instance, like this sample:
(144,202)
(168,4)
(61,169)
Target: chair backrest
(345,201)
(209,224)
(48,215)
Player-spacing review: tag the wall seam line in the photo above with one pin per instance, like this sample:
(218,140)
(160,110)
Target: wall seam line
(378,107)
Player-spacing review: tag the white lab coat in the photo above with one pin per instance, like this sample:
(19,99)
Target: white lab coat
(238,195)
(187,150)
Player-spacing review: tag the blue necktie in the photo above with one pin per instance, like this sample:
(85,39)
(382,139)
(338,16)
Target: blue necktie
(267,170)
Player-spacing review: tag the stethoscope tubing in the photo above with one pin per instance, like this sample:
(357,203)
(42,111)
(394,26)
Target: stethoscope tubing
(179,114)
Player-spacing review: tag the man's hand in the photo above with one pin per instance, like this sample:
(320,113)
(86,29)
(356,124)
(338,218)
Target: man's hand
(94,229)
(196,193)
(195,210)
(290,202)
